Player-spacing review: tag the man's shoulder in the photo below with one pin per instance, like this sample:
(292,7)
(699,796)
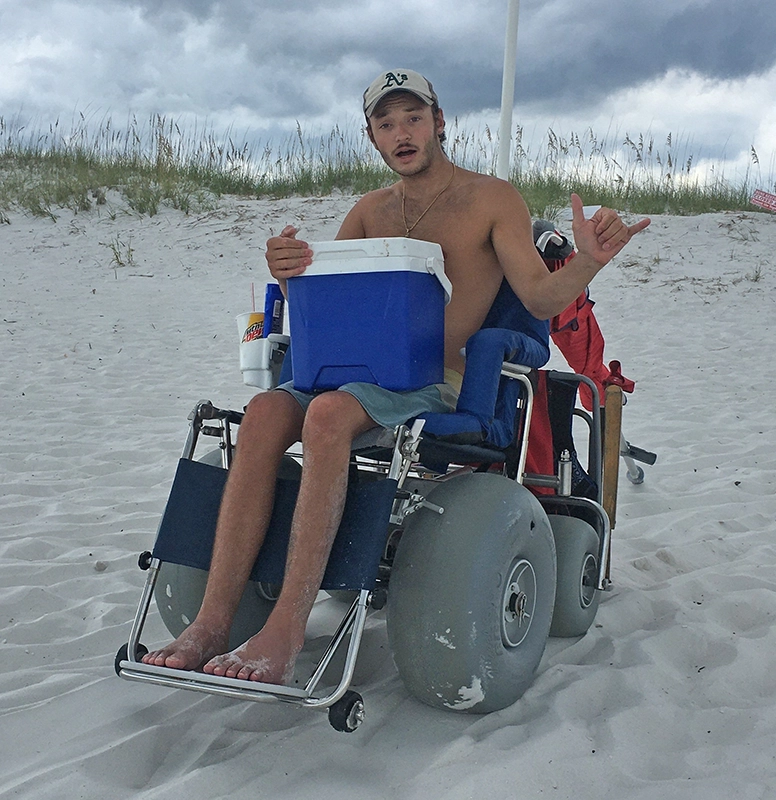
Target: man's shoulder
(378,196)
(360,220)
(489,192)
(488,184)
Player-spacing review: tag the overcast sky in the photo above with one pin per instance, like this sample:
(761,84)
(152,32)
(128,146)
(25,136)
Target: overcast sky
(702,70)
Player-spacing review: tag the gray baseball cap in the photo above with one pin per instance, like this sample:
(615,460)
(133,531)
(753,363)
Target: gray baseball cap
(398,80)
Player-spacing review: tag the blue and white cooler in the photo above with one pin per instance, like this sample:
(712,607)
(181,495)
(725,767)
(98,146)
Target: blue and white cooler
(371,311)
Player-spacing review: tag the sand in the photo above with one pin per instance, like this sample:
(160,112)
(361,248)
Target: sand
(672,693)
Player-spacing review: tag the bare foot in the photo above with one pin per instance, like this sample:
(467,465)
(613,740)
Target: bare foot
(196,645)
(264,657)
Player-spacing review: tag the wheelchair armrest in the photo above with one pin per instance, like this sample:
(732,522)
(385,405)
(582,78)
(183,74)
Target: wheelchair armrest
(487,392)
(510,370)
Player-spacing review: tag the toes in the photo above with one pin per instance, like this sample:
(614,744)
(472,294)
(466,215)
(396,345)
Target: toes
(217,666)
(227,666)
(246,674)
(235,665)
(156,658)
(173,662)
(166,658)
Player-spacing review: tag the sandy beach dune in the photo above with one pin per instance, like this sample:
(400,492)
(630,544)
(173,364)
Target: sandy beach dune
(113,326)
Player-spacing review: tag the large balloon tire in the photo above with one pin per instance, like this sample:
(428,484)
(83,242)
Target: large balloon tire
(180,589)
(576,595)
(471,595)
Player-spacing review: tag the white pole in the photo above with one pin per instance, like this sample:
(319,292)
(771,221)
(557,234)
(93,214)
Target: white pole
(508,91)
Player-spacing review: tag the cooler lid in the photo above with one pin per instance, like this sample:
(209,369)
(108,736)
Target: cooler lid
(390,254)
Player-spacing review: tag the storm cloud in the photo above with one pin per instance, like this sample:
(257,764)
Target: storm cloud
(266,65)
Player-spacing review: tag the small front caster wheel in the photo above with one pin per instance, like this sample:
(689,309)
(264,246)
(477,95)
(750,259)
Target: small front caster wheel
(379,599)
(123,655)
(347,713)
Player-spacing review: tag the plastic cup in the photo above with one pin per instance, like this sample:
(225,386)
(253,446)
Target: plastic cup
(254,348)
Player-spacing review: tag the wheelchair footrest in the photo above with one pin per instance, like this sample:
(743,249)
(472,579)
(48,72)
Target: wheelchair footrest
(211,684)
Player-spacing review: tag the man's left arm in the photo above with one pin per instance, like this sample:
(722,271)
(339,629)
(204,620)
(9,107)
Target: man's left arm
(545,294)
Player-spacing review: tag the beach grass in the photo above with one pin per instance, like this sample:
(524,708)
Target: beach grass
(153,163)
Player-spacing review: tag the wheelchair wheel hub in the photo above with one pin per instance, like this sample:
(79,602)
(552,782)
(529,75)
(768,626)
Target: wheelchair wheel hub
(518,602)
(587,586)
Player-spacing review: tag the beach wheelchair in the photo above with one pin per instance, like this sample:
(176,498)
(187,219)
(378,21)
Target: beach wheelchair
(475,555)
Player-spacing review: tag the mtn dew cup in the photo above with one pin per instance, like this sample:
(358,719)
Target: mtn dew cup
(258,359)
(252,326)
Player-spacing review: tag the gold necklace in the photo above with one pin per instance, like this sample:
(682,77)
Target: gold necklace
(409,228)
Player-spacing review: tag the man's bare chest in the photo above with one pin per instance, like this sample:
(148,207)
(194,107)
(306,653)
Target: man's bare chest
(452,224)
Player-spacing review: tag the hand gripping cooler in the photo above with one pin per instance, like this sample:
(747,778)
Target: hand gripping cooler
(371,311)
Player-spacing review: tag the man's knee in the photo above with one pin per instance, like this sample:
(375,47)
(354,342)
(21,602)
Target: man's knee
(273,412)
(334,416)
(274,403)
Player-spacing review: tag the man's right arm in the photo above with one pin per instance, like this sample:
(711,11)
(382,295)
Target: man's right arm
(287,256)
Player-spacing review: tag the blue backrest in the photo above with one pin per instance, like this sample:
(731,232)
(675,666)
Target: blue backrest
(509,312)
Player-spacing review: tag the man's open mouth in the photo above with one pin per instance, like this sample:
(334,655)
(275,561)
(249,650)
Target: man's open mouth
(404,152)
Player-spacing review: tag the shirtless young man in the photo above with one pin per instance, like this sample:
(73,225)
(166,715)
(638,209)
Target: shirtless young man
(484,228)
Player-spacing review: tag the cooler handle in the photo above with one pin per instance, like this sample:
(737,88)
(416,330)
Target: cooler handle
(437,268)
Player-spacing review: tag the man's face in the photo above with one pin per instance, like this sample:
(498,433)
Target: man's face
(406,132)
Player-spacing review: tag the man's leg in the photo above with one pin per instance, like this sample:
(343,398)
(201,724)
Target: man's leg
(272,423)
(333,420)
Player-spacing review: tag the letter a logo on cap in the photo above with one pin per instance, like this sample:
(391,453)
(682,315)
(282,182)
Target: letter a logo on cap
(393,80)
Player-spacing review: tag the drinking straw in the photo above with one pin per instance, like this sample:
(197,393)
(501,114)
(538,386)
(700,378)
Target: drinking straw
(253,298)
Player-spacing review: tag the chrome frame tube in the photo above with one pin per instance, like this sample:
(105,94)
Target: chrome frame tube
(541,481)
(587,418)
(520,373)
(594,449)
(195,426)
(357,632)
(634,471)
(397,460)
(210,684)
(142,610)
(226,444)
(336,640)
(604,529)
(603,552)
